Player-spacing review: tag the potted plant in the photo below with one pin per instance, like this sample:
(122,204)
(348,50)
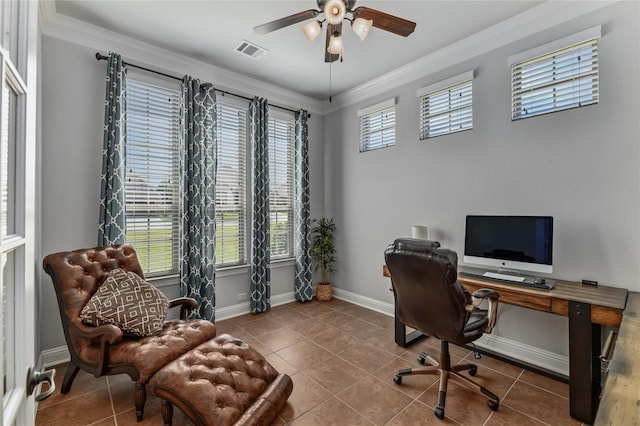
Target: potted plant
(323,253)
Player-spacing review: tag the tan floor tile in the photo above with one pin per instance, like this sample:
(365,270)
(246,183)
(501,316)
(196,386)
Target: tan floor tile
(366,356)
(90,408)
(360,329)
(463,405)
(279,339)
(313,308)
(280,364)
(110,421)
(304,354)
(335,374)
(418,413)
(306,395)
(83,383)
(546,383)
(331,412)
(334,341)
(411,385)
(385,341)
(507,416)
(288,316)
(374,399)
(152,416)
(261,326)
(334,318)
(308,327)
(537,402)
(495,364)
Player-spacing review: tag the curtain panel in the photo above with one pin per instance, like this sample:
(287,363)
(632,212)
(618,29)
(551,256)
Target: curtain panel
(260,300)
(301,210)
(197,195)
(111,220)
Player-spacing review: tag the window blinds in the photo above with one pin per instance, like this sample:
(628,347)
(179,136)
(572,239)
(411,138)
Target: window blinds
(281,158)
(152,176)
(378,126)
(447,110)
(231,185)
(562,79)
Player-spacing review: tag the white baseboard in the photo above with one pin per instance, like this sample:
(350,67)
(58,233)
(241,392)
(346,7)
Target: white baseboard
(243,308)
(506,347)
(54,356)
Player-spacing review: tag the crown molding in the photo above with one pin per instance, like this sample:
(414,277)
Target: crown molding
(56,25)
(525,24)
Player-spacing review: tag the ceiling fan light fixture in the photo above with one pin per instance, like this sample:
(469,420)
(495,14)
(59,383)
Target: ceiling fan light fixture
(335,44)
(361,27)
(311,30)
(334,11)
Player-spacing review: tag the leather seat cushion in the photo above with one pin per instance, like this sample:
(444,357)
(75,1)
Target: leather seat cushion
(149,354)
(223,382)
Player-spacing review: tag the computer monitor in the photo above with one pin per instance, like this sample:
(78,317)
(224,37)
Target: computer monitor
(523,243)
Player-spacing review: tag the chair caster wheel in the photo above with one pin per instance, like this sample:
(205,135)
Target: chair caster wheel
(422,359)
(397,380)
(477,355)
(473,371)
(493,405)
(439,412)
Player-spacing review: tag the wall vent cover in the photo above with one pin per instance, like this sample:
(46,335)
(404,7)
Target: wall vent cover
(251,49)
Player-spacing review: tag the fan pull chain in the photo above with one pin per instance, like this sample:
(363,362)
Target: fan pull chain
(330,82)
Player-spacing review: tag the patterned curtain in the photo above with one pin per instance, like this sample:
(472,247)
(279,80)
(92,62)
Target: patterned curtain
(260,246)
(197,192)
(111,222)
(301,211)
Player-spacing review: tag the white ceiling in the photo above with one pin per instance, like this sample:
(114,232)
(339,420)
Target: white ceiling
(211,30)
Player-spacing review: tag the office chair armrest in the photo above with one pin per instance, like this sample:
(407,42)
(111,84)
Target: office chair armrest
(493,296)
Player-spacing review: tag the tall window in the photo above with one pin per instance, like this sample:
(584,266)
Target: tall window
(558,79)
(378,126)
(446,107)
(152,176)
(231,178)
(281,159)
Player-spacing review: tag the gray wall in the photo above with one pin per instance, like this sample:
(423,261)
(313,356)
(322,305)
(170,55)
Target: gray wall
(579,166)
(72,118)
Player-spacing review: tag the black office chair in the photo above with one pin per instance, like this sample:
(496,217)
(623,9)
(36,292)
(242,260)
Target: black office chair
(429,298)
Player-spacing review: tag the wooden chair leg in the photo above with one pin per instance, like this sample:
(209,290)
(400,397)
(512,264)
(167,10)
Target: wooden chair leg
(167,412)
(139,398)
(69,377)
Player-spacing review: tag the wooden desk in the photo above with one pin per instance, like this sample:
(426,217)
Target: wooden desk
(588,308)
(619,404)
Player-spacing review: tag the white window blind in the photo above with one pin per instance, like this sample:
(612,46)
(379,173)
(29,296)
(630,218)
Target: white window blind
(561,79)
(281,158)
(378,126)
(231,178)
(448,109)
(152,176)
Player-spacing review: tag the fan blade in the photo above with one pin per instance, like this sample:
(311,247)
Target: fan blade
(331,28)
(386,22)
(286,21)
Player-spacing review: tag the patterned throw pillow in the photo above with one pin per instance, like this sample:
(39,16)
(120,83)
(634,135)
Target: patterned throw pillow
(129,302)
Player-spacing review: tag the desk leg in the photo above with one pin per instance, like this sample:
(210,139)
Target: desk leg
(584,362)
(402,338)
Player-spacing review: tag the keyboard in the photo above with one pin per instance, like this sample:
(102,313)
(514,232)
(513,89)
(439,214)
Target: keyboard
(504,277)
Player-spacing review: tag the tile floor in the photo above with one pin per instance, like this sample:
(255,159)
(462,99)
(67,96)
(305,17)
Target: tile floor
(342,359)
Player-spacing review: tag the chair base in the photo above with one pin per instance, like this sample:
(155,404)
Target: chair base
(446,371)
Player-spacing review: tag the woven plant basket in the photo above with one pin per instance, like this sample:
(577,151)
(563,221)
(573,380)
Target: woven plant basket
(324,292)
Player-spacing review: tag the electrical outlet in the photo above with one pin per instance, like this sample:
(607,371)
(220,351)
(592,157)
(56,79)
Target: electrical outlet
(241,297)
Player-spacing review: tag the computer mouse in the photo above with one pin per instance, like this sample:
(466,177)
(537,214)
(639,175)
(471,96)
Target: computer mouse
(539,280)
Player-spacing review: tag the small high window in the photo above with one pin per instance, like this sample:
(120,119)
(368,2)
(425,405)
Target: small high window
(378,126)
(447,106)
(557,76)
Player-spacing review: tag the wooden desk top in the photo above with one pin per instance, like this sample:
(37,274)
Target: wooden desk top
(607,303)
(619,403)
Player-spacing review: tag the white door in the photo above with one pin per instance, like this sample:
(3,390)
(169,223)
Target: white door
(18,77)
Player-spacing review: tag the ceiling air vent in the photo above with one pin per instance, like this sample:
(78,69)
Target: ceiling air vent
(250,49)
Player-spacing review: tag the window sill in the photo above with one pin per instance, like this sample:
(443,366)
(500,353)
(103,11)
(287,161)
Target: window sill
(283,263)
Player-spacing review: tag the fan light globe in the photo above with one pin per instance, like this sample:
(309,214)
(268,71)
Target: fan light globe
(361,27)
(335,44)
(311,30)
(334,11)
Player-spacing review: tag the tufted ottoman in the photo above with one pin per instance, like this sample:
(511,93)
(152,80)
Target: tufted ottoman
(222,382)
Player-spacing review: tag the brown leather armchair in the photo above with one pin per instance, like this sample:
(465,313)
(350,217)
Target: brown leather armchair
(104,350)
(429,298)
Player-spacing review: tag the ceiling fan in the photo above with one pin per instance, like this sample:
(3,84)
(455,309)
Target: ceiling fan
(335,11)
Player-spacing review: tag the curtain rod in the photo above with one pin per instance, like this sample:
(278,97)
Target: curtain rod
(101,57)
